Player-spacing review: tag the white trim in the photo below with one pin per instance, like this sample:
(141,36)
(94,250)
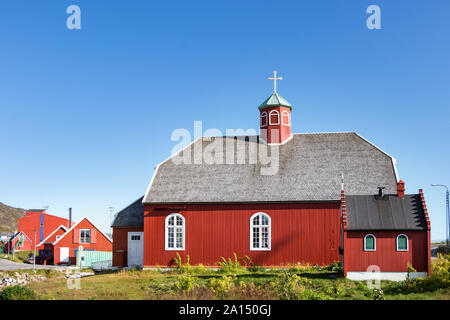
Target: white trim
(10,240)
(44,241)
(157,167)
(276,144)
(379,149)
(392,276)
(394,164)
(407,243)
(166,235)
(76,224)
(288,117)
(264,114)
(270,118)
(269,233)
(374,243)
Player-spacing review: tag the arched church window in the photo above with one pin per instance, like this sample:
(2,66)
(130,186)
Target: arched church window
(370,243)
(260,232)
(402,243)
(175,232)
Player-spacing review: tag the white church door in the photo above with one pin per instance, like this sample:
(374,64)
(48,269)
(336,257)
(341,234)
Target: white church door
(135,249)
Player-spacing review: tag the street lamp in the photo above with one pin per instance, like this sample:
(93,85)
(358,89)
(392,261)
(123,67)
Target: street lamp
(447,213)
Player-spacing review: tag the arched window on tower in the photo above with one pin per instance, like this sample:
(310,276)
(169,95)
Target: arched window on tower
(286,119)
(274,117)
(260,232)
(175,229)
(264,119)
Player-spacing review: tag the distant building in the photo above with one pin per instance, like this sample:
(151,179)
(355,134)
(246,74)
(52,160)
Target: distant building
(41,222)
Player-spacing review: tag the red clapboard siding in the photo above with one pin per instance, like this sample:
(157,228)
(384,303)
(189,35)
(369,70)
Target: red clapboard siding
(301,232)
(120,245)
(76,235)
(386,255)
(93,236)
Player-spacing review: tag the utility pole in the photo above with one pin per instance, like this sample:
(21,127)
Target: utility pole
(111,214)
(447,212)
(34,257)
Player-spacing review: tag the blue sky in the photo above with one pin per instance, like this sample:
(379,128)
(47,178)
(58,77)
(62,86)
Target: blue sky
(86,115)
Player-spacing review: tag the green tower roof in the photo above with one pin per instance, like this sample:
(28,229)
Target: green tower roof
(275,100)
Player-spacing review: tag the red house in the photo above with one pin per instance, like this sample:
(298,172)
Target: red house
(45,248)
(85,234)
(43,223)
(18,242)
(277,198)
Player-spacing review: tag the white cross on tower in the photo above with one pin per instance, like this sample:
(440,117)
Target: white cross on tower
(275,80)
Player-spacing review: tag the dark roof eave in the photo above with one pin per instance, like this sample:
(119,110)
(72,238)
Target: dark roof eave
(242,202)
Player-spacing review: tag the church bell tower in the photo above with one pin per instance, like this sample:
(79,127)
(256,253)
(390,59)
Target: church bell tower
(275,116)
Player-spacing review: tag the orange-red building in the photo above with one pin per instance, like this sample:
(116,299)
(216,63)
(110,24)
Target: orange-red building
(41,222)
(84,234)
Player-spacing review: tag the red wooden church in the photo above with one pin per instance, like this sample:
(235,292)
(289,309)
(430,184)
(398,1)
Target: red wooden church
(324,197)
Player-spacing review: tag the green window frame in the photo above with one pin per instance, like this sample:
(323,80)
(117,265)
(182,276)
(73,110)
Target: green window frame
(370,243)
(402,242)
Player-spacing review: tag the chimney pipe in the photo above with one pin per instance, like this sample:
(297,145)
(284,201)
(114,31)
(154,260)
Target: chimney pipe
(70,218)
(401,189)
(380,191)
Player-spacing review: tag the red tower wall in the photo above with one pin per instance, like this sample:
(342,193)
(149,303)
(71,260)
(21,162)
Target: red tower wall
(276,133)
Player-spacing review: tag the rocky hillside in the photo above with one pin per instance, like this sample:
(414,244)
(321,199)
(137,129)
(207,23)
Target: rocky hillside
(9,217)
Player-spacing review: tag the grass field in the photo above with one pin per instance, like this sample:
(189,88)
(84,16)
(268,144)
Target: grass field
(154,285)
(19,256)
(236,282)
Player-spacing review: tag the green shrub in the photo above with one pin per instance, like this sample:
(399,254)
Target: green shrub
(378,294)
(185,283)
(439,279)
(334,267)
(17,293)
(290,286)
(221,286)
(179,263)
(231,266)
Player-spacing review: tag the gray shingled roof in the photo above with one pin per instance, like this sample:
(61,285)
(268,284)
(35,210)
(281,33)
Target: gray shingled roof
(310,168)
(387,213)
(131,216)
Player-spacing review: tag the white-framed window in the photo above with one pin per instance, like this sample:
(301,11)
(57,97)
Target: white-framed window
(260,232)
(264,119)
(370,243)
(402,242)
(274,117)
(85,235)
(286,119)
(175,232)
